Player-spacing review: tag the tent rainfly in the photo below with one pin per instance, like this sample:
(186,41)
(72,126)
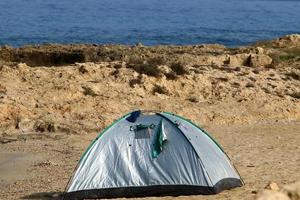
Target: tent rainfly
(152,154)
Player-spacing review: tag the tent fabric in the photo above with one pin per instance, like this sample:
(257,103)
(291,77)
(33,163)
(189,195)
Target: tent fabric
(120,162)
(206,149)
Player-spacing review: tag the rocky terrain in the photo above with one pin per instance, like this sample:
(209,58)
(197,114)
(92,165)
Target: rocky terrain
(54,99)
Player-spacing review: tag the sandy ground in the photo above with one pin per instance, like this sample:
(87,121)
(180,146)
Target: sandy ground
(248,100)
(40,168)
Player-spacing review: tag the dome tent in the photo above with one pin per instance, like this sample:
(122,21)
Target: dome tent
(152,154)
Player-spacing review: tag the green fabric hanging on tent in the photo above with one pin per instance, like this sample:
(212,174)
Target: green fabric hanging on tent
(159,141)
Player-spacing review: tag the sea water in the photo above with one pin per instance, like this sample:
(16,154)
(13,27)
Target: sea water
(150,22)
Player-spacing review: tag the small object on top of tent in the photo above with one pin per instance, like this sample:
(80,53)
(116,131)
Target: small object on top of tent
(133,116)
(120,163)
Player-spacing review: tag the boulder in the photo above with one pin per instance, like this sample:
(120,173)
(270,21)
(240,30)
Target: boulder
(272,186)
(259,50)
(23,68)
(236,60)
(259,60)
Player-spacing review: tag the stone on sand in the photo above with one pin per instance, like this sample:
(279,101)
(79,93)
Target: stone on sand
(272,186)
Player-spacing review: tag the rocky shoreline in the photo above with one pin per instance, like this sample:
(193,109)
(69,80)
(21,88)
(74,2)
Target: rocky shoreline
(260,54)
(54,99)
(201,74)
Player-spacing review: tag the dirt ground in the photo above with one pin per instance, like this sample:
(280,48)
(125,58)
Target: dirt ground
(39,168)
(247,98)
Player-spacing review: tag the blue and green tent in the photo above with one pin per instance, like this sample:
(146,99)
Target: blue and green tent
(152,154)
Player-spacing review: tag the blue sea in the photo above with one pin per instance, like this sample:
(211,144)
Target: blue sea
(150,22)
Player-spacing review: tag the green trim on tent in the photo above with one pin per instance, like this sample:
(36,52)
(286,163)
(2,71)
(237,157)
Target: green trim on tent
(187,120)
(100,134)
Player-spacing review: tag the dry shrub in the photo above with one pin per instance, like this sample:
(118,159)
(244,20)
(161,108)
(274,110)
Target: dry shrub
(44,126)
(286,55)
(150,70)
(171,76)
(160,90)
(193,99)
(135,60)
(179,68)
(144,66)
(293,51)
(156,61)
(136,81)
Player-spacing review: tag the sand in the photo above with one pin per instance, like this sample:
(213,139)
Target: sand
(248,98)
